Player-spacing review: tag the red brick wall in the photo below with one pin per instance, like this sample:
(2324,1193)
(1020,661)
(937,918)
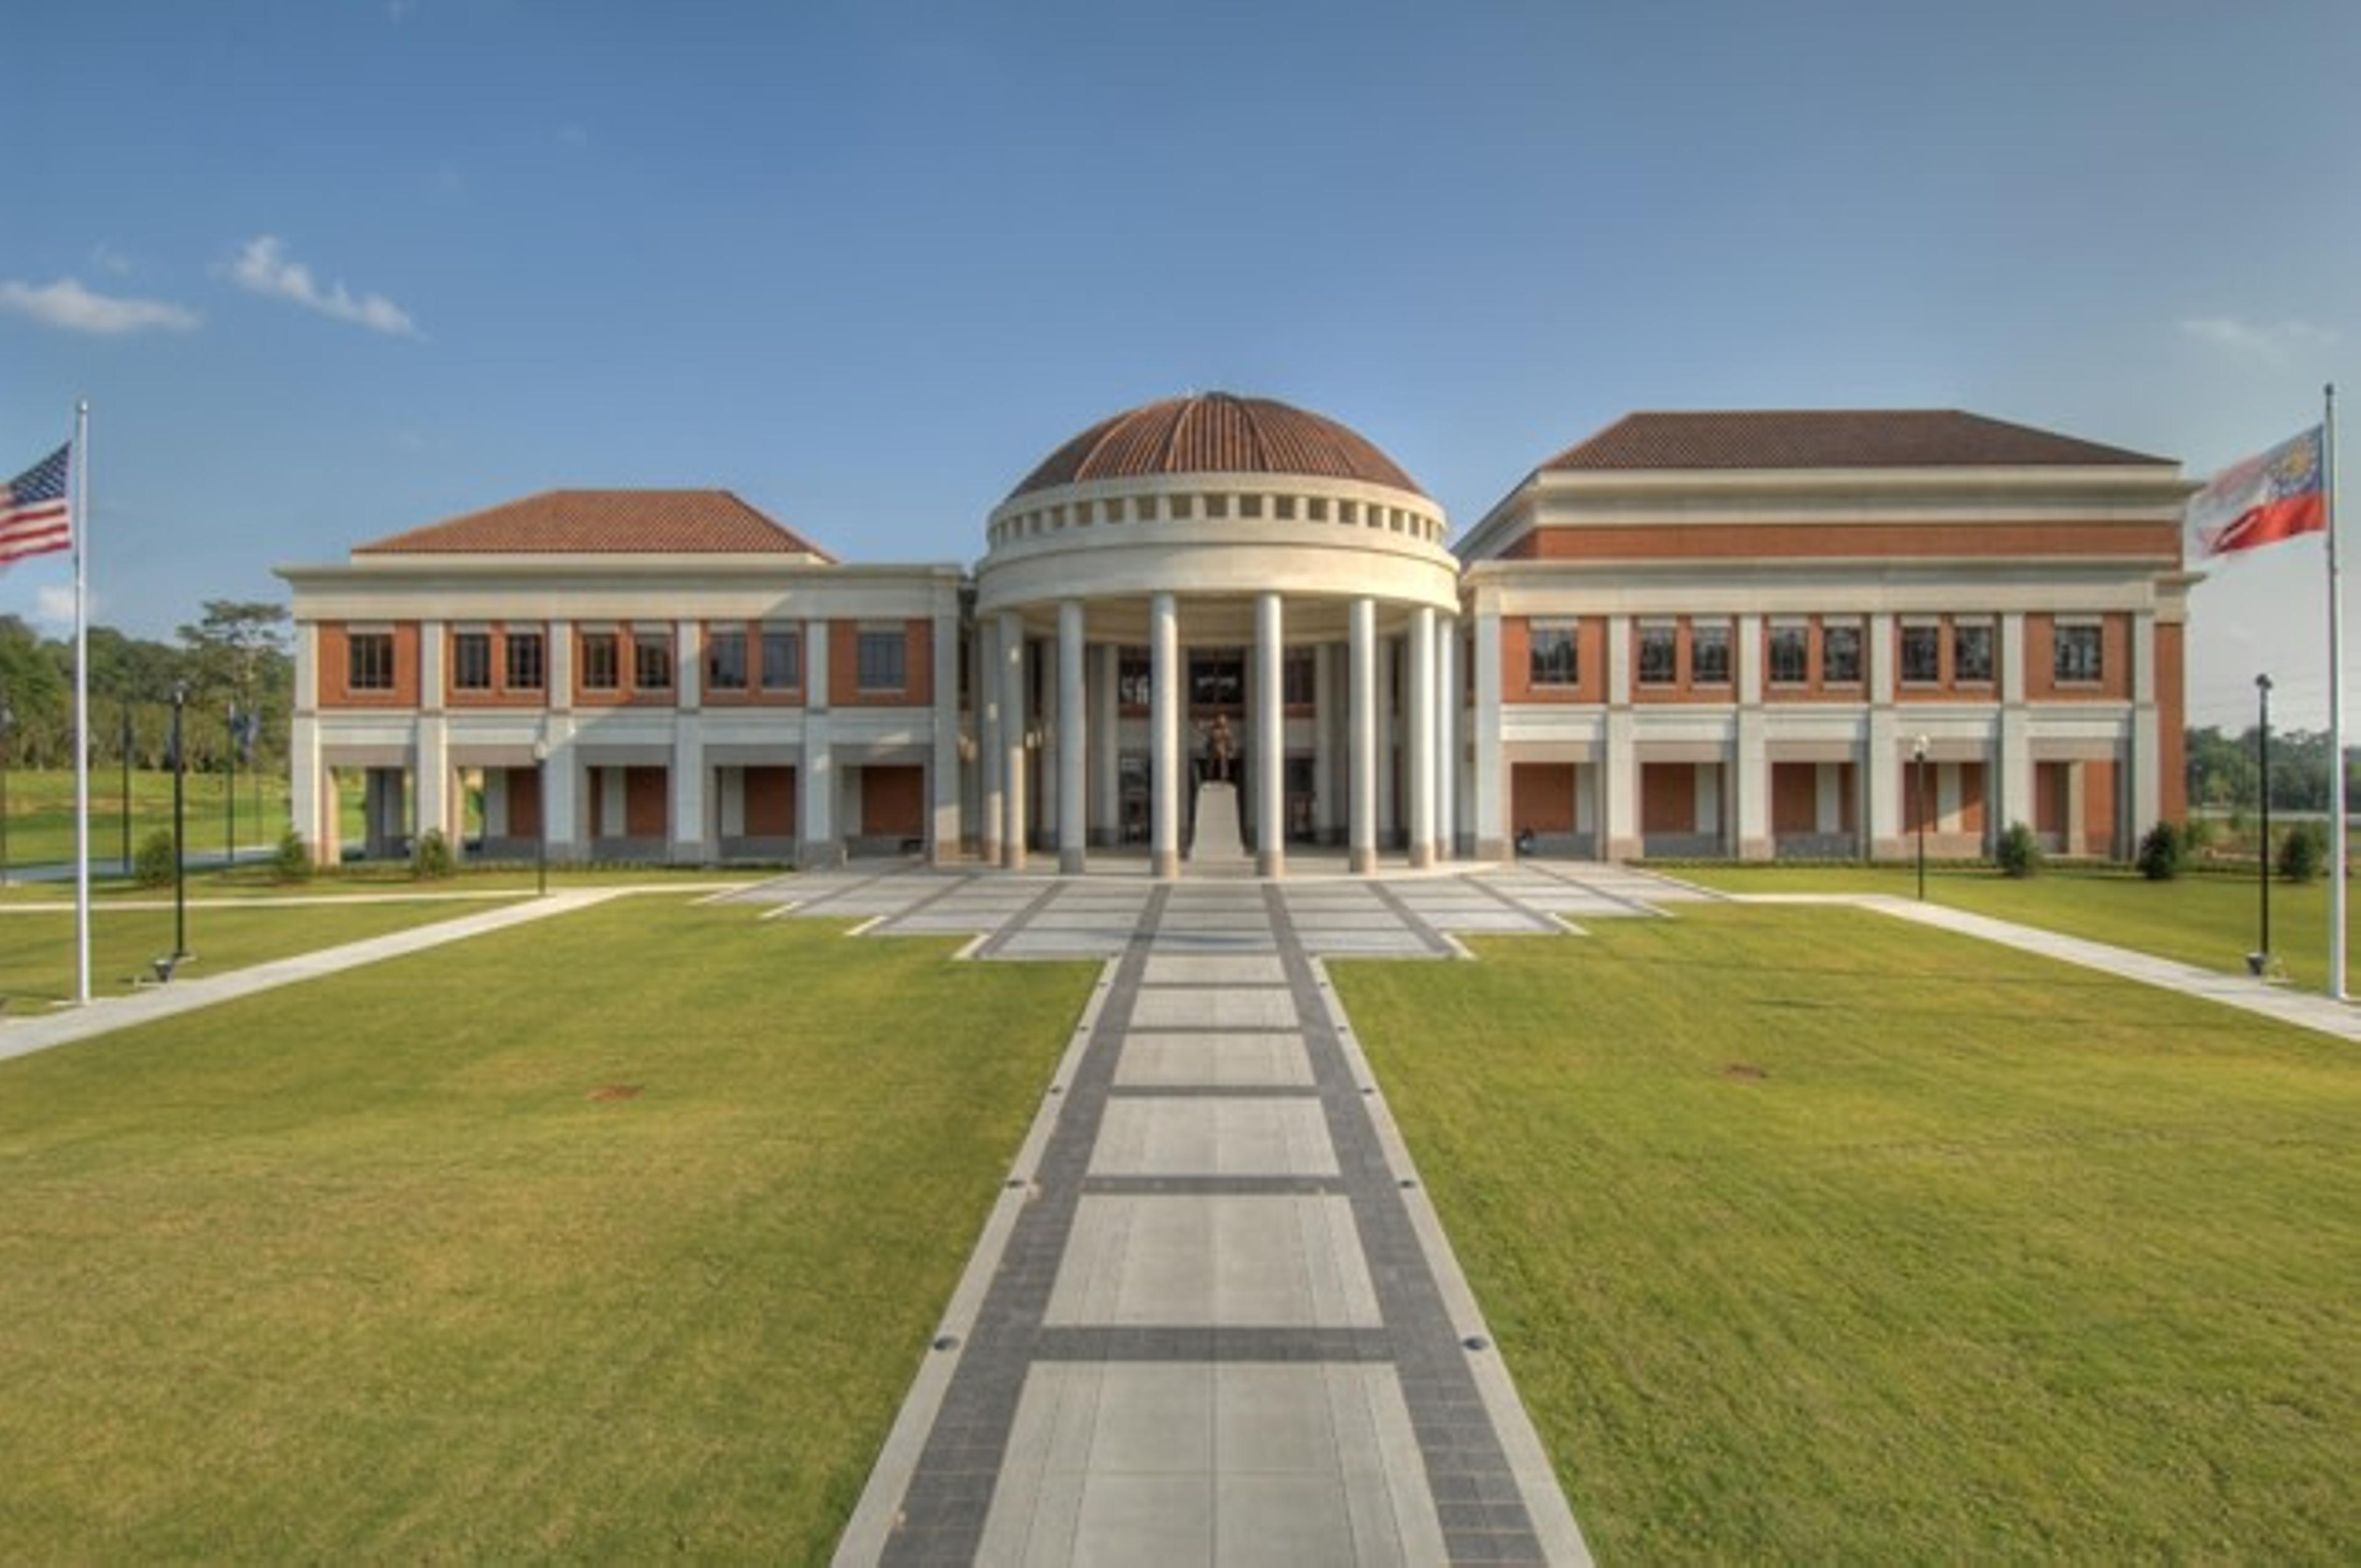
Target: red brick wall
(336,668)
(1541,796)
(893,800)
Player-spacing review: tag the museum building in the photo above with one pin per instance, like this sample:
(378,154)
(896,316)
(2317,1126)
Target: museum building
(1751,634)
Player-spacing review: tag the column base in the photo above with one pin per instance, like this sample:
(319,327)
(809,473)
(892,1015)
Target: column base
(1165,865)
(1626,850)
(1494,850)
(1421,856)
(1071,862)
(1363,862)
(1270,863)
(989,851)
(946,856)
(1756,850)
(815,854)
(1012,857)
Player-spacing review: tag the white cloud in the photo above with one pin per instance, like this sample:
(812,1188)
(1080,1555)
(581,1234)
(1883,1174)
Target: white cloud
(53,604)
(264,267)
(68,306)
(2275,343)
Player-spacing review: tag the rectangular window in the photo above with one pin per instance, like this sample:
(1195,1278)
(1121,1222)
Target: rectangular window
(369,661)
(783,660)
(1709,654)
(1552,658)
(651,660)
(1133,675)
(471,661)
(1791,647)
(1659,655)
(1217,679)
(1841,655)
(2079,658)
(725,661)
(1299,679)
(880,660)
(1971,652)
(601,669)
(1922,655)
(525,661)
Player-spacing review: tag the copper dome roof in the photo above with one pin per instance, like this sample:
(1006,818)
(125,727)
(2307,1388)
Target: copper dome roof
(1214,432)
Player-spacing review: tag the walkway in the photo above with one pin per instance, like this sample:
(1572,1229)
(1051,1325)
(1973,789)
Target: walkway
(1212,1317)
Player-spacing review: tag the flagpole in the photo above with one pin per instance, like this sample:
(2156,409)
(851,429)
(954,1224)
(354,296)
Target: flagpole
(2336,698)
(82,700)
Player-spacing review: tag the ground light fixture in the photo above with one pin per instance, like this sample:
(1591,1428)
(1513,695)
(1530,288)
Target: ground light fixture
(1918,756)
(541,834)
(180,829)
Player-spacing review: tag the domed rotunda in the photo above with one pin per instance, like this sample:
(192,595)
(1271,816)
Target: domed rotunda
(1225,590)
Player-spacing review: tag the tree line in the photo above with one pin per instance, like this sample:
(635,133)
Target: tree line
(235,653)
(2224,771)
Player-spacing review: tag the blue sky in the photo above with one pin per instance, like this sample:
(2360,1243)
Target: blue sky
(331,269)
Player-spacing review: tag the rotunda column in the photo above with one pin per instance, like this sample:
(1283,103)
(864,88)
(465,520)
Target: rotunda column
(1421,738)
(1073,738)
(1364,634)
(991,761)
(1326,791)
(1447,737)
(1270,737)
(1164,735)
(1012,738)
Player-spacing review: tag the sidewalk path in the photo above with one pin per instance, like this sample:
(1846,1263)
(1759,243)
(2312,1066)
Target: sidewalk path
(23,1036)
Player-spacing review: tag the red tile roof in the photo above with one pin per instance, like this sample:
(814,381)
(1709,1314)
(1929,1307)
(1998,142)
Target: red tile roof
(605,522)
(1214,432)
(1833,438)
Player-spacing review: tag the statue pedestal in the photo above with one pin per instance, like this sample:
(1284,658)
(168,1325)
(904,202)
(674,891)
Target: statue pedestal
(1217,840)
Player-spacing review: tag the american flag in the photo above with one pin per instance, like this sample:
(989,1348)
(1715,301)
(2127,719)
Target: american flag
(35,517)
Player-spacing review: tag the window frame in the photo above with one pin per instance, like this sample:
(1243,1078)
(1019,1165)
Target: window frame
(476,641)
(869,646)
(514,645)
(1664,635)
(1906,635)
(737,681)
(1961,673)
(770,679)
(2094,634)
(1714,634)
(654,666)
(594,647)
(1849,634)
(1554,652)
(1774,635)
(368,661)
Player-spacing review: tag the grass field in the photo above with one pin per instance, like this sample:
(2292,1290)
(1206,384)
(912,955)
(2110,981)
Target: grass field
(1810,1235)
(2211,921)
(41,813)
(368,1268)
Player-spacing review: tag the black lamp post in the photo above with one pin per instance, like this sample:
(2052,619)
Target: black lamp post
(1918,756)
(179,829)
(7,723)
(126,789)
(2260,959)
(229,790)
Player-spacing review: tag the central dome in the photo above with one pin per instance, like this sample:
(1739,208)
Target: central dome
(1214,432)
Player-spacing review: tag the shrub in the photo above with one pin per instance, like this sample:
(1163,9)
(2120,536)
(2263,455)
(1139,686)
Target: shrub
(2196,836)
(155,863)
(2020,853)
(2160,852)
(293,862)
(430,858)
(2302,852)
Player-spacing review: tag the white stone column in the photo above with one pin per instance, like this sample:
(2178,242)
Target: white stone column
(1619,770)
(1387,692)
(1363,837)
(1491,769)
(1447,737)
(692,838)
(1747,792)
(943,769)
(1271,736)
(817,842)
(1419,766)
(992,755)
(1882,766)
(1011,740)
(436,800)
(558,651)
(311,796)
(561,792)
(2015,760)
(1073,741)
(1326,786)
(2147,793)
(1164,735)
(688,667)
(1106,717)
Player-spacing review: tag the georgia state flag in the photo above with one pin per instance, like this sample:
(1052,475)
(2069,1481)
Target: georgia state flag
(2263,499)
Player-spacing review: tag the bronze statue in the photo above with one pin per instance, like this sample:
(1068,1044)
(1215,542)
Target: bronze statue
(1221,749)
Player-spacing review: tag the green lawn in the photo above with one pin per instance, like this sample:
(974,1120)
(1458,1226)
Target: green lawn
(41,813)
(366,1268)
(1810,1235)
(37,946)
(2210,920)
(361,879)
